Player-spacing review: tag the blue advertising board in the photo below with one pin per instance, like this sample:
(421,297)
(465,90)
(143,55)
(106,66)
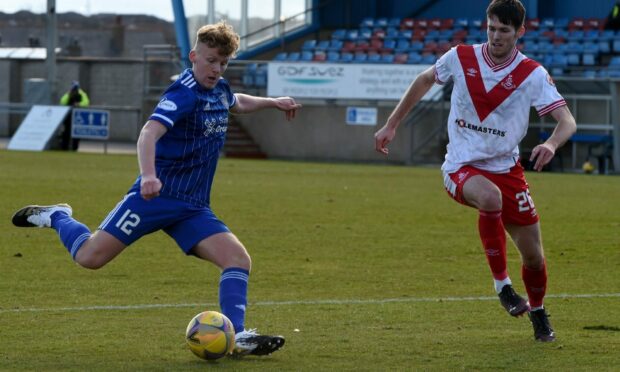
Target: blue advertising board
(90,124)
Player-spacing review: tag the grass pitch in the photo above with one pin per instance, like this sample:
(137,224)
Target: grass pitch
(359,267)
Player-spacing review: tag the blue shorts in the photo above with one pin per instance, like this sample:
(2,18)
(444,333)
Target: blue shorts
(133,217)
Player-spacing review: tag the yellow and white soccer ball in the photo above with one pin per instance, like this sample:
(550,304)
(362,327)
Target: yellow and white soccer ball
(210,335)
(588,167)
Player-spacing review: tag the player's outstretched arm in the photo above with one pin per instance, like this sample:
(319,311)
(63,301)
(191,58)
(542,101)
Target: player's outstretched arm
(566,127)
(247,104)
(150,185)
(418,88)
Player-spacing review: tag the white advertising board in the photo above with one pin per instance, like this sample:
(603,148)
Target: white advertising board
(38,127)
(343,81)
(361,116)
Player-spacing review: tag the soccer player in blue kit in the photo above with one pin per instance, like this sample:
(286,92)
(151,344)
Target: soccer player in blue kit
(178,150)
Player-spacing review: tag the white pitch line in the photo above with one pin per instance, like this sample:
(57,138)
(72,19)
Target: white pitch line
(301,302)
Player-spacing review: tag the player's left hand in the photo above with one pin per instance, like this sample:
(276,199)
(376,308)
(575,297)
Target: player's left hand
(542,154)
(288,105)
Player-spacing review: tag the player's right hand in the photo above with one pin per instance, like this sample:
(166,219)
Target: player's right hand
(150,187)
(382,137)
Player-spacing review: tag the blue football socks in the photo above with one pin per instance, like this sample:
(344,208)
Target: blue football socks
(71,232)
(233,295)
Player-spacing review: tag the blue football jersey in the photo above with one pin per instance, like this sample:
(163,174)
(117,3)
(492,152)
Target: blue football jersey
(186,155)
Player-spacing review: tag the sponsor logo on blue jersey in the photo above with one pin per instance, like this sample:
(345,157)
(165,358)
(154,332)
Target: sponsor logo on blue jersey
(166,104)
(216,124)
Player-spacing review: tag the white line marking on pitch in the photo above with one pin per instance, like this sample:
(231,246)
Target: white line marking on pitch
(302,302)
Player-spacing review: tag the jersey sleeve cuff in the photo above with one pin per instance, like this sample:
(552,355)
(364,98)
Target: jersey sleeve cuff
(547,109)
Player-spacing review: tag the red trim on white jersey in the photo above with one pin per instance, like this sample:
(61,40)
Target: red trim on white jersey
(545,110)
(494,66)
(485,102)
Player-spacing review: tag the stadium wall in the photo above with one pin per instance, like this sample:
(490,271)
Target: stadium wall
(113,83)
(320,132)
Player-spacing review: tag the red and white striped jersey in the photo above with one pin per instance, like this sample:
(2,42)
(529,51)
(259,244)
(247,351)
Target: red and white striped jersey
(490,105)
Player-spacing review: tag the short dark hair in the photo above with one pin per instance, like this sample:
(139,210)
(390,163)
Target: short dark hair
(509,12)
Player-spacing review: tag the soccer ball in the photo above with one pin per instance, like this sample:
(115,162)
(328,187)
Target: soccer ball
(210,335)
(587,167)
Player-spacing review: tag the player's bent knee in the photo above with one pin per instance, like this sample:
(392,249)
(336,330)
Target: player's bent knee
(239,259)
(490,200)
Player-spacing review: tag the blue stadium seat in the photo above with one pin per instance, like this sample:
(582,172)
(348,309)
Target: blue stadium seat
(389,45)
(607,35)
(335,45)
(333,57)
(387,58)
(374,58)
(367,22)
(557,71)
(545,47)
(405,35)
(603,47)
(588,74)
(391,33)
(614,63)
(530,47)
(280,56)
(461,23)
(615,46)
(416,46)
(429,59)
(414,58)
(309,45)
(402,46)
(576,35)
(574,47)
(590,47)
(561,22)
(352,34)
(346,57)
(339,34)
(365,33)
(360,58)
(573,59)
(394,22)
(293,57)
(588,59)
(559,60)
(322,45)
(306,56)
(381,22)
(530,35)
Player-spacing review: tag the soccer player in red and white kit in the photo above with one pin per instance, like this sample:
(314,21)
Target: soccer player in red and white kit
(494,87)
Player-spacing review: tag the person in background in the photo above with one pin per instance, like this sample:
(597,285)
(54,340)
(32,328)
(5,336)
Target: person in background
(494,87)
(613,19)
(74,97)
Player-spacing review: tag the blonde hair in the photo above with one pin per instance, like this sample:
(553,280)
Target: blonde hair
(219,35)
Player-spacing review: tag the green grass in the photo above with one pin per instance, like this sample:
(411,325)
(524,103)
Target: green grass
(330,243)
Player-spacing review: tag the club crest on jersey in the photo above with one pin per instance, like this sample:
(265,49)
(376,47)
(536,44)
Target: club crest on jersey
(224,100)
(167,105)
(472,72)
(550,80)
(508,84)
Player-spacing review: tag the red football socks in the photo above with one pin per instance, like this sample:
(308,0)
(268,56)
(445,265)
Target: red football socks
(493,238)
(535,284)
